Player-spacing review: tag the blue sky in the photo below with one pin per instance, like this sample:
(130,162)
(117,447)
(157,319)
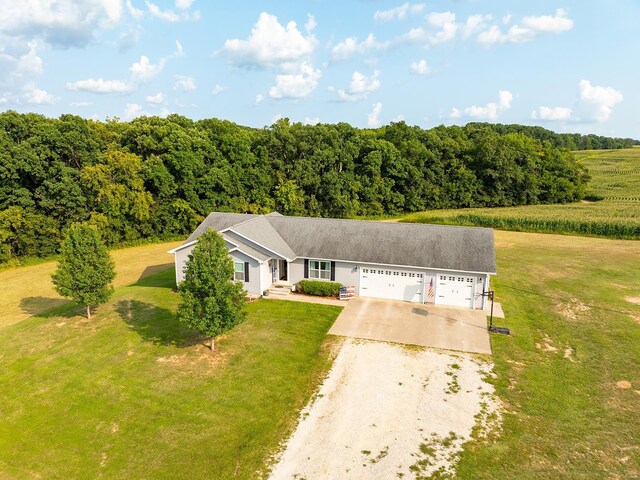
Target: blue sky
(565,65)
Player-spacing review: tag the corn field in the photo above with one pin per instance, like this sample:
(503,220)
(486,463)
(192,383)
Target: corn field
(615,180)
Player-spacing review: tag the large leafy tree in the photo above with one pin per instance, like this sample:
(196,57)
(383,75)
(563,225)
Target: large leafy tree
(211,301)
(86,269)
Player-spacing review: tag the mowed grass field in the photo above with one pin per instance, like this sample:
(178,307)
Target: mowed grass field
(133,394)
(28,291)
(615,178)
(569,375)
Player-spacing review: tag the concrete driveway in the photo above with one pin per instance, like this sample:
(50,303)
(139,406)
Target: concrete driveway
(449,328)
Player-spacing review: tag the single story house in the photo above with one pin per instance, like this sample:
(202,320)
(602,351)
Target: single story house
(400,261)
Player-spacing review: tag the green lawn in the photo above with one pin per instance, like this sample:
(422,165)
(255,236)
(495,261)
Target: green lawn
(565,417)
(132,394)
(615,179)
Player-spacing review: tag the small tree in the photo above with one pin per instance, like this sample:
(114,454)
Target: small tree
(212,302)
(86,269)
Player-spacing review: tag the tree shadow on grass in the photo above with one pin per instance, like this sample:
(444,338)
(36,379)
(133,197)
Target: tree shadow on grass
(161,275)
(155,324)
(47,307)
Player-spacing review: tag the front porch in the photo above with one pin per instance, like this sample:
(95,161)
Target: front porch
(279,269)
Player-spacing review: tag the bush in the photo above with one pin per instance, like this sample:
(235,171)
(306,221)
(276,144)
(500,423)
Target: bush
(321,289)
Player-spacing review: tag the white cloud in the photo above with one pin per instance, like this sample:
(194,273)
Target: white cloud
(490,111)
(399,13)
(271,45)
(474,24)
(276,117)
(446,22)
(133,110)
(63,23)
(443,27)
(360,87)
(601,100)
(532,27)
(455,113)
(259,99)
(179,50)
(100,86)
(169,15)
(184,83)
(398,118)
(420,67)
(350,46)
(136,13)
(217,89)
(37,96)
(552,113)
(549,23)
(311,23)
(144,70)
(184,4)
(156,99)
(311,120)
(296,85)
(80,104)
(373,119)
(19,65)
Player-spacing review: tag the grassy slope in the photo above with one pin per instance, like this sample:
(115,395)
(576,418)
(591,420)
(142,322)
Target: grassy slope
(28,291)
(565,417)
(615,176)
(132,394)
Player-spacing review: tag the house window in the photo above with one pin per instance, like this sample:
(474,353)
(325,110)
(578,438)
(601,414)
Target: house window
(238,273)
(319,269)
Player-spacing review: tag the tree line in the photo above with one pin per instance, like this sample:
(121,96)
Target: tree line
(570,141)
(158,177)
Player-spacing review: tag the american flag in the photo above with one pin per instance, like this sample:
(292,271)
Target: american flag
(431,290)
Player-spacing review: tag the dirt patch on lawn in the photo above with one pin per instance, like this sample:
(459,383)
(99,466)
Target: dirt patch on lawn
(200,361)
(546,345)
(385,411)
(635,300)
(624,384)
(573,309)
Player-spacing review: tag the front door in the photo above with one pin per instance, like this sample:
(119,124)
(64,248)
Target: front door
(282,270)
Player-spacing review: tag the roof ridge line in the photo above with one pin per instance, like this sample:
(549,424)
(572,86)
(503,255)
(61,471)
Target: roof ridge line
(383,222)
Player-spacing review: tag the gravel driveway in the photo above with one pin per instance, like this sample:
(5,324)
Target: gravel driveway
(386,411)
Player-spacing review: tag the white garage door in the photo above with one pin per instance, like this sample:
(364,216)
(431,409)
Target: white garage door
(391,284)
(455,290)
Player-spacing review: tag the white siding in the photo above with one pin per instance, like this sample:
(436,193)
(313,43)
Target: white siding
(252,286)
(181,258)
(346,272)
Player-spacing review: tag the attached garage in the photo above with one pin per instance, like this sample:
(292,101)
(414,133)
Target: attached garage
(381,282)
(456,290)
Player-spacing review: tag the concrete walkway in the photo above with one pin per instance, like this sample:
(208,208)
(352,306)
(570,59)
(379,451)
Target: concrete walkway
(296,297)
(449,328)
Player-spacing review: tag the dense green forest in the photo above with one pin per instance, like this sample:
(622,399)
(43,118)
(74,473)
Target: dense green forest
(570,141)
(158,177)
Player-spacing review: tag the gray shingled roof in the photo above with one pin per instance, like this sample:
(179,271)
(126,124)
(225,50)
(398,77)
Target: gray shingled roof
(246,248)
(219,221)
(262,232)
(420,245)
(467,249)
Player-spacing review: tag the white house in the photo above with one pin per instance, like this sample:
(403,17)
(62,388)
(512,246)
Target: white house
(401,261)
